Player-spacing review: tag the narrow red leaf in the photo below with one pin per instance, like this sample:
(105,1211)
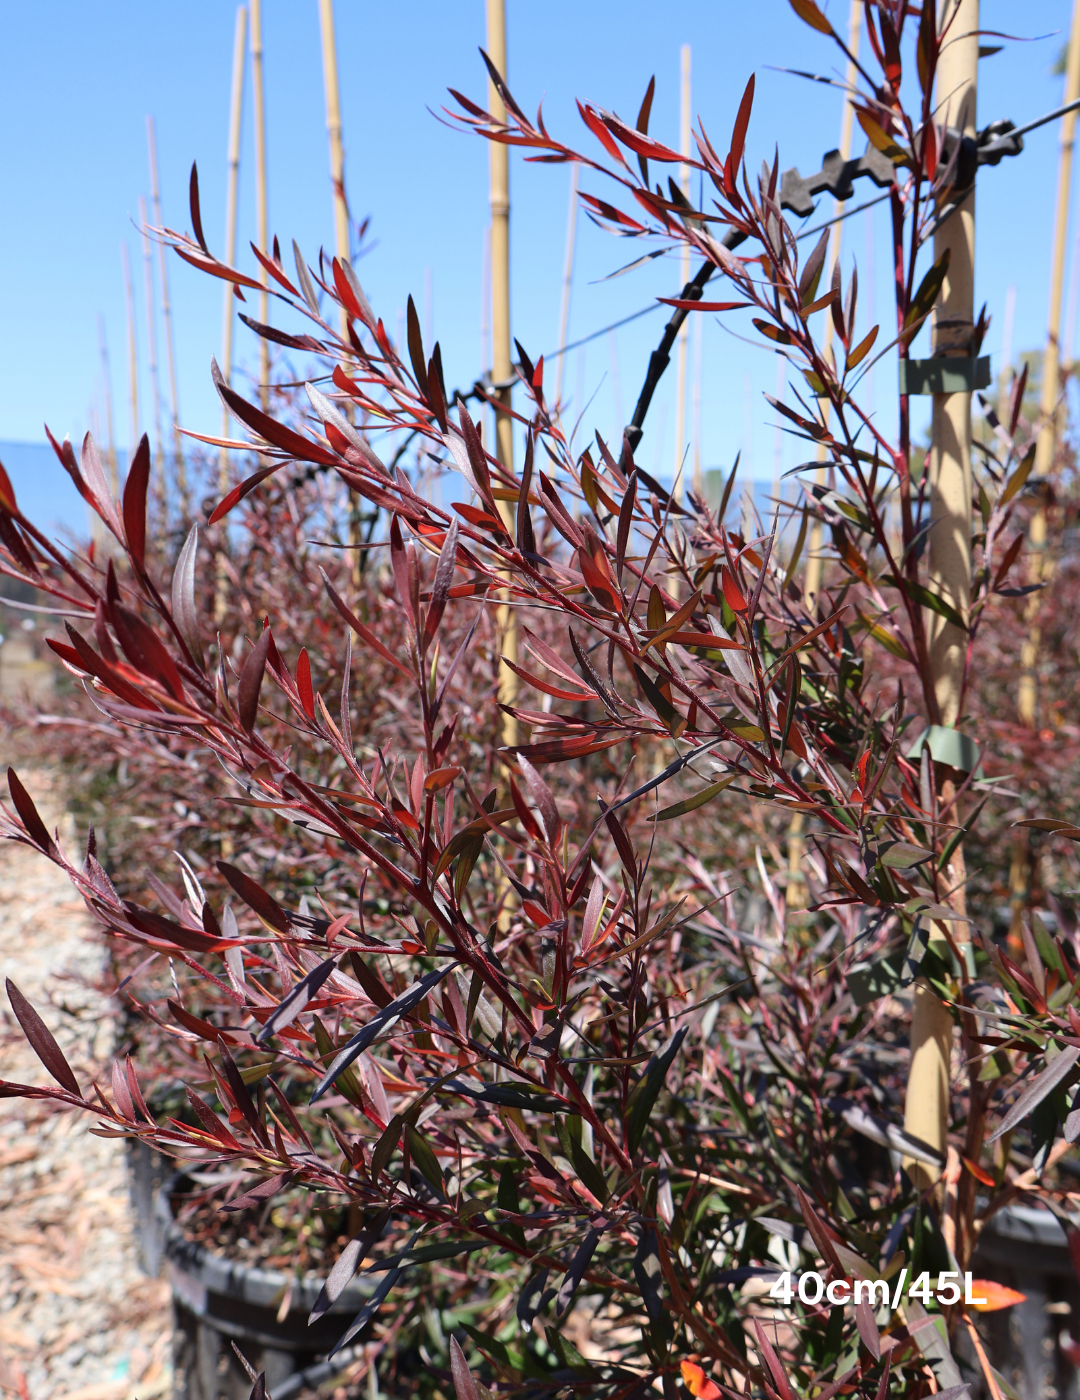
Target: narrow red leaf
(7,493)
(238,493)
(251,681)
(303,683)
(24,805)
(255,897)
(42,1041)
(742,121)
(138,478)
(196,211)
(735,600)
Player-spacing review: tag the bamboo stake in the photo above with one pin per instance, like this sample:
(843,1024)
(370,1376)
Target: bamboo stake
(812,581)
(342,244)
(502,368)
(1050,408)
(796,886)
(166,311)
(1068,337)
(114,476)
(236,107)
(337,149)
(1051,379)
(485,326)
(926,1108)
(485,303)
(151,329)
(133,351)
(684,181)
(567,282)
(260,193)
(1041,567)
(950,457)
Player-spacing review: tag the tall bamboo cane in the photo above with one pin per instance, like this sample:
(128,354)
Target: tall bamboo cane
(180,466)
(333,128)
(236,107)
(1050,408)
(926,1108)
(502,367)
(342,244)
(684,182)
(261,217)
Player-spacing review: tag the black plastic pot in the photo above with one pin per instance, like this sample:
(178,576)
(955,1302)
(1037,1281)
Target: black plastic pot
(147,1169)
(1024,1247)
(217,1300)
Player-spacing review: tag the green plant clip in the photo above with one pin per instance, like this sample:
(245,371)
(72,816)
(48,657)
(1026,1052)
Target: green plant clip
(949,746)
(944,375)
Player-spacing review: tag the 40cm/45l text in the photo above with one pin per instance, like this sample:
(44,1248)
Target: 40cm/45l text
(810,1288)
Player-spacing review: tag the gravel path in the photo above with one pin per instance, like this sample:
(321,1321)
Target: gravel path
(78,1321)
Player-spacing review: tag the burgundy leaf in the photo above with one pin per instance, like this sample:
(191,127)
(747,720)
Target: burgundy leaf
(146,651)
(742,121)
(303,991)
(196,211)
(24,805)
(238,493)
(42,1041)
(642,125)
(7,492)
(251,681)
(138,479)
(260,1193)
(273,432)
(303,683)
(255,897)
(464,1384)
(121,1092)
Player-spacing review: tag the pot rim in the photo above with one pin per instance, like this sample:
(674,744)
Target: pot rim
(217,1273)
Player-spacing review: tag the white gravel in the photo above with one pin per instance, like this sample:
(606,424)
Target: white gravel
(78,1320)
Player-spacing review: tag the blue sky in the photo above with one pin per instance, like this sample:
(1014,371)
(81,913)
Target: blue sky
(79,80)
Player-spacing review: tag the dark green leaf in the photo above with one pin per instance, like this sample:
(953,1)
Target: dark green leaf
(1044,1083)
(576,1272)
(387,1017)
(922,303)
(1019,476)
(422,1154)
(303,991)
(663,707)
(532,1299)
(368,1311)
(699,799)
(920,594)
(647,1089)
(648,1274)
(387,1145)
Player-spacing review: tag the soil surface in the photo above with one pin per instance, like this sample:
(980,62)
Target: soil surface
(78,1320)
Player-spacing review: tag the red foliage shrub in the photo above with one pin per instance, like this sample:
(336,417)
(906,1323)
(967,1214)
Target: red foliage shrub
(553,1051)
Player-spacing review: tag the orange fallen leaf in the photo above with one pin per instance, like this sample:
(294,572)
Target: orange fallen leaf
(992,1297)
(979,1173)
(698,1383)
